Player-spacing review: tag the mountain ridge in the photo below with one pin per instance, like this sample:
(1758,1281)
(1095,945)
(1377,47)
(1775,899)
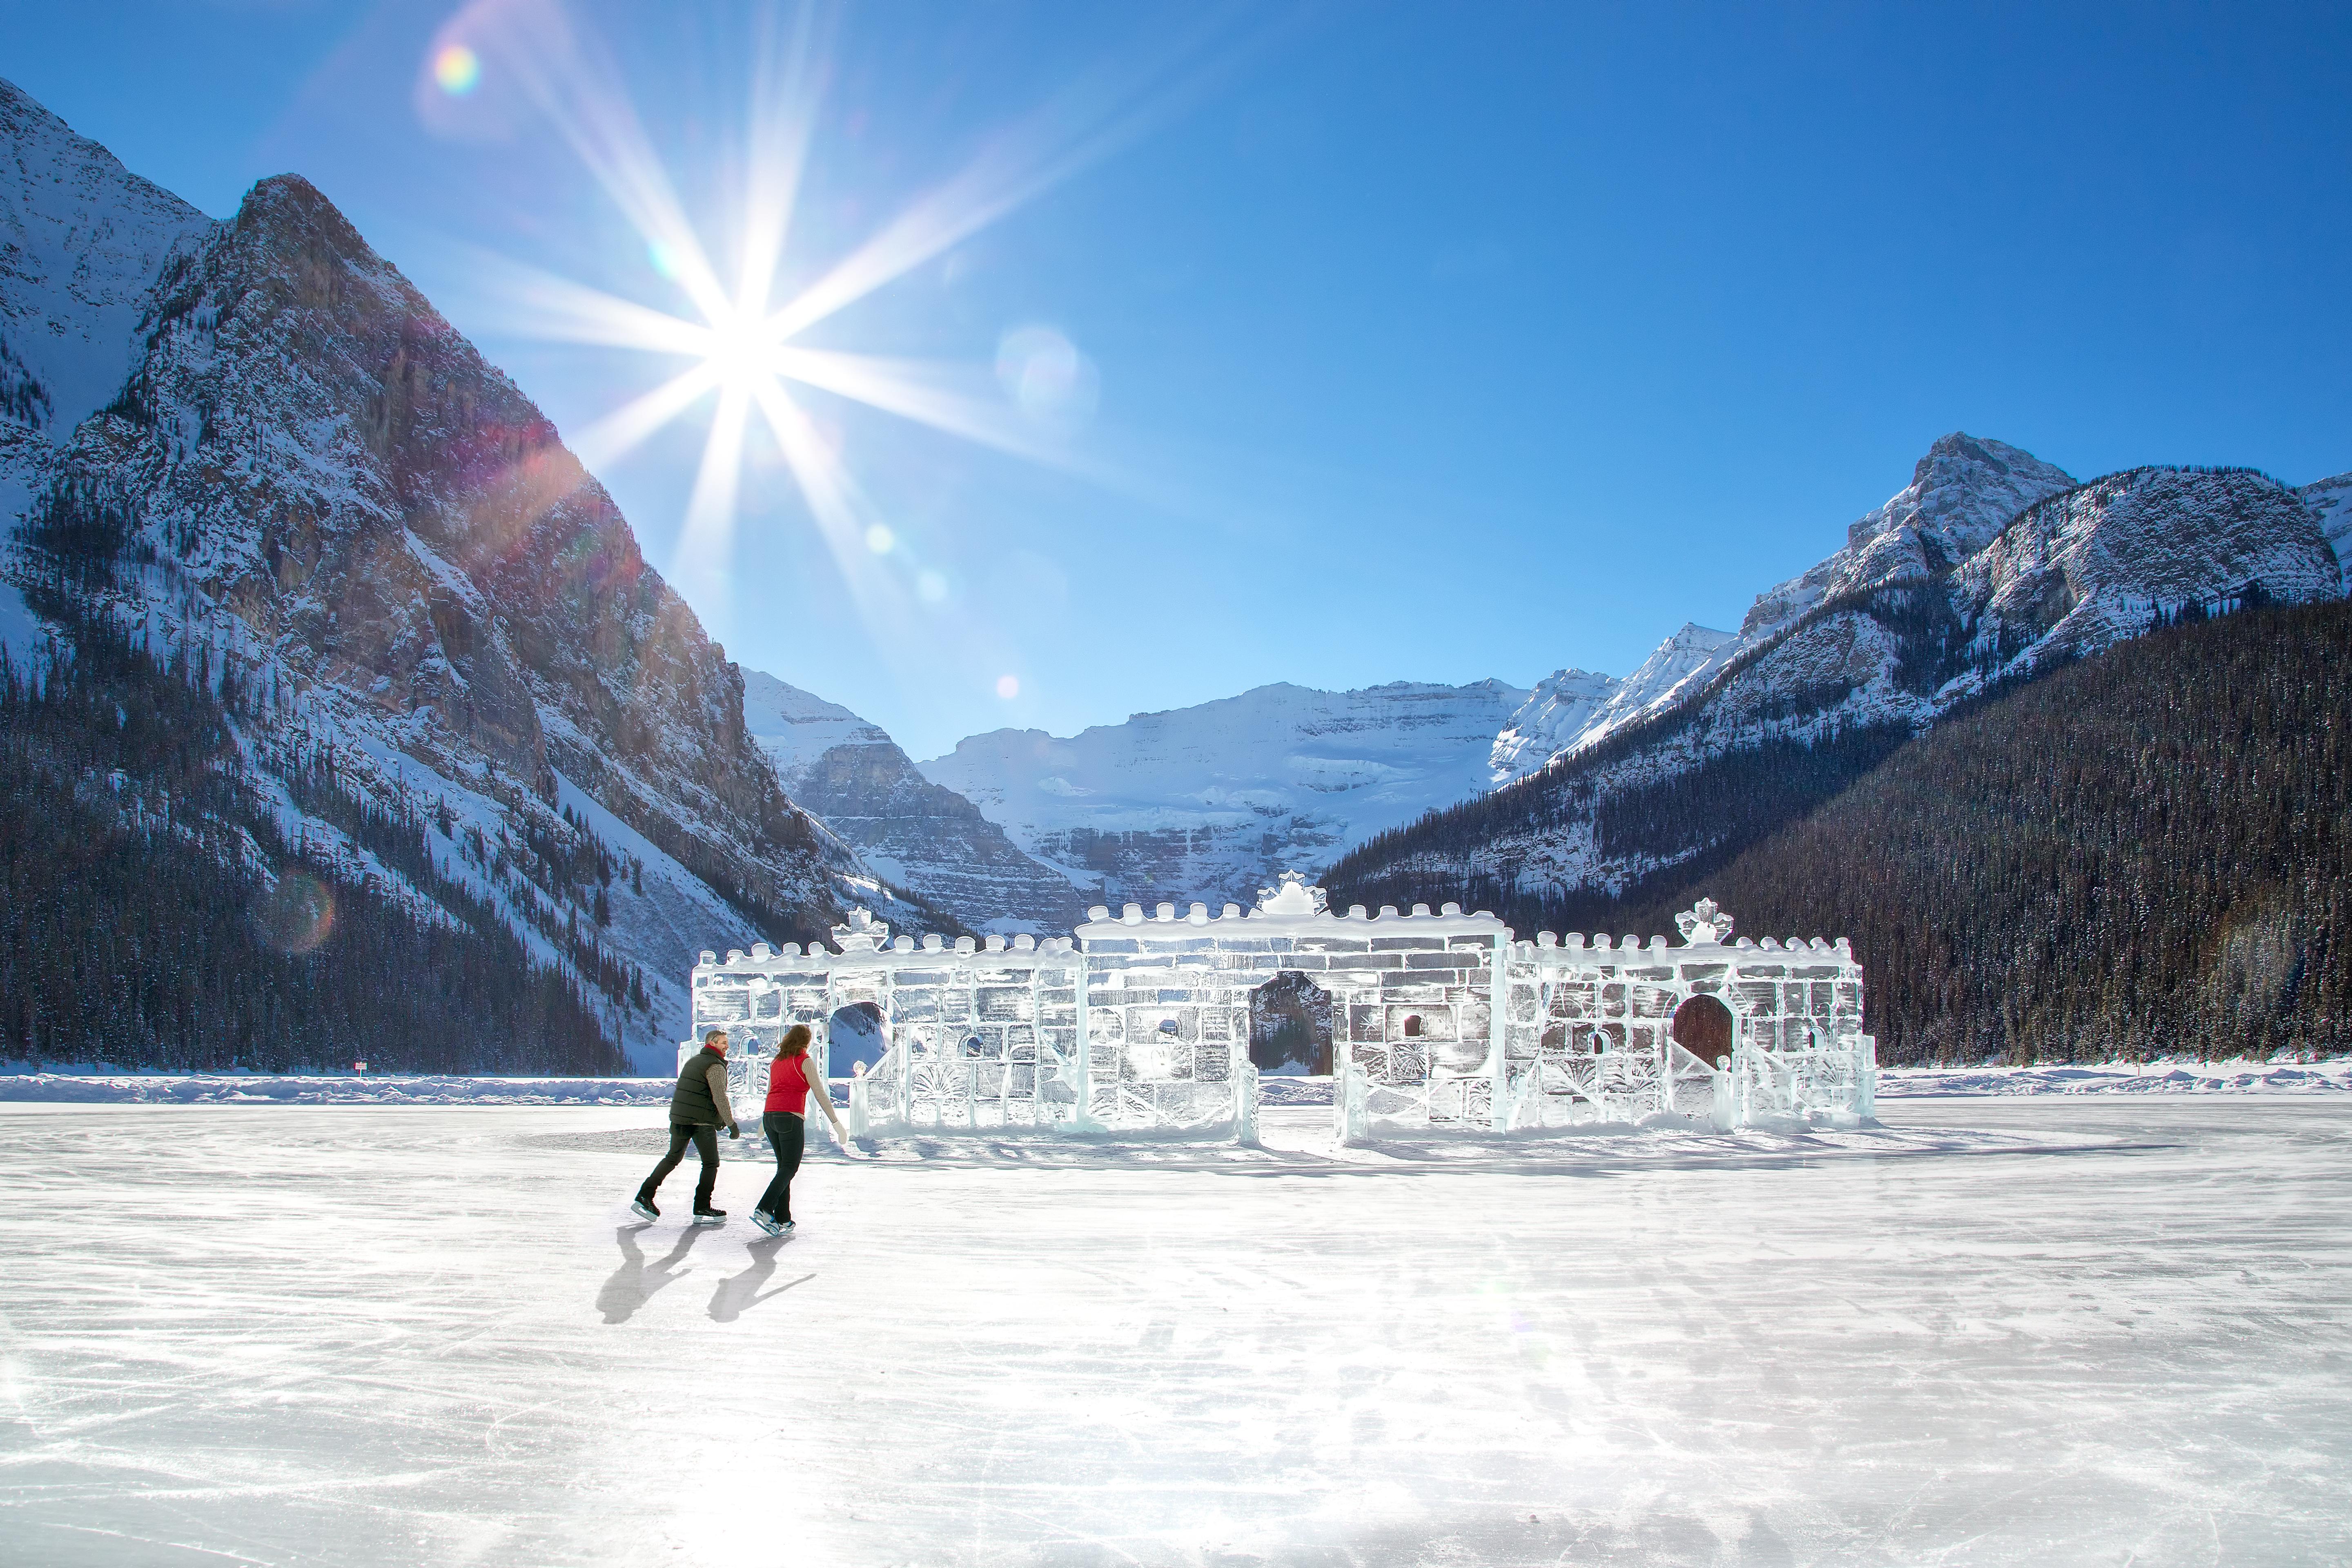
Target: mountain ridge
(253,448)
(1811,698)
(1213,801)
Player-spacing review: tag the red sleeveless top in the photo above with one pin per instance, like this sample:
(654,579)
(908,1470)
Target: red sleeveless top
(788,1084)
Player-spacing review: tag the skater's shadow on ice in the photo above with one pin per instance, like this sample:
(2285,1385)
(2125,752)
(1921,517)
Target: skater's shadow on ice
(633,1284)
(739,1293)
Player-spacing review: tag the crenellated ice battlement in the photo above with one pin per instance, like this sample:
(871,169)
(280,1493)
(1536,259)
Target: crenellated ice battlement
(1141,1020)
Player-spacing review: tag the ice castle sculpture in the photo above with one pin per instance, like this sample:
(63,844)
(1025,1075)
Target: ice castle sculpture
(1138,1022)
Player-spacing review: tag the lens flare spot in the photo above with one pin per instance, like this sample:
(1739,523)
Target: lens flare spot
(664,259)
(1045,376)
(880,540)
(1008,687)
(298,914)
(458,69)
(931,587)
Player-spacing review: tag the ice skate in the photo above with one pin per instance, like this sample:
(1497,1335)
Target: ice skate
(710,1217)
(766,1224)
(642,1207)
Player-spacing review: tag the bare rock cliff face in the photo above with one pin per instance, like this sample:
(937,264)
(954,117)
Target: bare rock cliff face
(323,454)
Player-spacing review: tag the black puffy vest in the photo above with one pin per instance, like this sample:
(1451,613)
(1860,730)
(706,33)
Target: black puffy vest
(692,1103)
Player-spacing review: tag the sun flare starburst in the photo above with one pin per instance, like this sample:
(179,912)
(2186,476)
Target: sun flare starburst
(742,359)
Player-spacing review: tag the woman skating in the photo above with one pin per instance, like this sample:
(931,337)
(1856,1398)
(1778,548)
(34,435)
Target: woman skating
(791,1080)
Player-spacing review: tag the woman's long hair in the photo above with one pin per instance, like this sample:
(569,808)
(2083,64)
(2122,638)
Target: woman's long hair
(795,1042)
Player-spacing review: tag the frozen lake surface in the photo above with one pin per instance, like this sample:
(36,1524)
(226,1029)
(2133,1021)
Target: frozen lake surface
(2023,1330)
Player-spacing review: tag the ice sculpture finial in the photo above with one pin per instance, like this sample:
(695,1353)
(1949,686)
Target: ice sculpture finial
(1704,922)
(1292,897)
(862,934)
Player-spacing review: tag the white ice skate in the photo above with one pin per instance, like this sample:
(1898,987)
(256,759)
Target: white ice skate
(760,1219)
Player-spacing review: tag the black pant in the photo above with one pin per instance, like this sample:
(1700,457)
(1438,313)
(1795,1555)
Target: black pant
(706,1144)
(786,1132)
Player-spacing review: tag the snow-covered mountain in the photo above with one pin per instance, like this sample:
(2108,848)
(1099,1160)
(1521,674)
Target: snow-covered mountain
(255,446)
(796,728)
(1575,708)
(1990,566)
(82,241)
(916,833)
(1212,801)
(254,438)
(1564,705)
(2330,501)
(2084,569)
(1962,493)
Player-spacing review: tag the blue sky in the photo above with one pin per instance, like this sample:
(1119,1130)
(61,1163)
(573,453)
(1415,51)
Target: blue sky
(1426,342)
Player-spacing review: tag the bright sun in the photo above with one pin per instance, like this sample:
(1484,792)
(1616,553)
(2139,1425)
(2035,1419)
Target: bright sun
(741,357)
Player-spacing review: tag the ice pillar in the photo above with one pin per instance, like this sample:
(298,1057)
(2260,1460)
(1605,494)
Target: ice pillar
(1083,1121)
(1244,1076)
(1498,1007)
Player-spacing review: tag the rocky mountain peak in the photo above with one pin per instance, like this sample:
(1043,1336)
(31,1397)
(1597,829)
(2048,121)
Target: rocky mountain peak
(1563,705)
(1575,709)
(1837,669)
(2087,568)
(83,240)
(1962,492)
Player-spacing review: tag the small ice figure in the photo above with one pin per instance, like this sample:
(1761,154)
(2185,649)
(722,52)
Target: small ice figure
(1704,922)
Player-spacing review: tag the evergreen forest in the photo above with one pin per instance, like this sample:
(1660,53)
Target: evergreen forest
(153,913)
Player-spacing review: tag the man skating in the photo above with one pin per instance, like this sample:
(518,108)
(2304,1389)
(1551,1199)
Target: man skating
(697,1108)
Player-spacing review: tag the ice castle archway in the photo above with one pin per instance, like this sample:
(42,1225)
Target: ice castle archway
(853,1039)
(1290,1024)
(1703,1026)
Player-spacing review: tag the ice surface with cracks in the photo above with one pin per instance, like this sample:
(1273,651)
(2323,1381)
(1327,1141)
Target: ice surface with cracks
(2069,1334)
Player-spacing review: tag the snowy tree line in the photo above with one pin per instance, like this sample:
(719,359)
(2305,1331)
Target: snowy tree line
(153,912)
